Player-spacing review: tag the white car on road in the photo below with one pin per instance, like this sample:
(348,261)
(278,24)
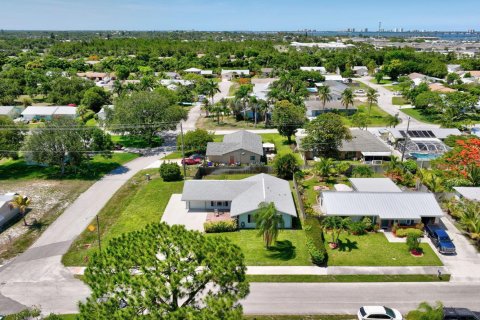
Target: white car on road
(378,312)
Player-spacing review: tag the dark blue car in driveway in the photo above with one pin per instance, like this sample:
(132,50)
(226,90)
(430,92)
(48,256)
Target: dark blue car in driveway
(440,239)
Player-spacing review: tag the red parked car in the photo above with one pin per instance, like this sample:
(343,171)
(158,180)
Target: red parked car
(190,161)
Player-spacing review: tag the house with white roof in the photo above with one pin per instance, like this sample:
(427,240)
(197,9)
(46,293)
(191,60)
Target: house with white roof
(360,70)
(241,198)
(383,202)
(12,112)
(469,193)
(49,113)
(322,70)
(230,74)
(7,212)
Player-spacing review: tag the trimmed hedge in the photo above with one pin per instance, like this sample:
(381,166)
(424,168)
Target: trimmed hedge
(402,233)
(315,241)
(220,226)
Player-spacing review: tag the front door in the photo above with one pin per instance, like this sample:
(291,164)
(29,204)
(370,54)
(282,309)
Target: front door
(232,159)
(385,224)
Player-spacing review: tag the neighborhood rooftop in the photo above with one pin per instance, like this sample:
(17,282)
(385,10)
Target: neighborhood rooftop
(386,205)
(246,195)
(469,193)
(235,141)
(50,110)
(439,133)
(362,140)
(374,185)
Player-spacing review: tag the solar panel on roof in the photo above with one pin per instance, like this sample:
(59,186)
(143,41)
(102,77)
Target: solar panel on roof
(402,133)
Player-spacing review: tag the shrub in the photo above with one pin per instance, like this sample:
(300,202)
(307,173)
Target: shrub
(368,223)
(285,166)
(220,226)
(170,172)
(317,255)
(401,233)
(410,165)
(413,241)
(357,227)
(362,171)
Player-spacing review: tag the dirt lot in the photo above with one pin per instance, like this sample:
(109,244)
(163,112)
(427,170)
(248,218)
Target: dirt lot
(49,198)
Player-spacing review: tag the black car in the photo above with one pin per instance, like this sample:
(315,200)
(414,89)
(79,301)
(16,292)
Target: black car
(460,314)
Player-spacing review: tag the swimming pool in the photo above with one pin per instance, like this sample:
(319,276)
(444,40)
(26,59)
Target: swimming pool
(424,156)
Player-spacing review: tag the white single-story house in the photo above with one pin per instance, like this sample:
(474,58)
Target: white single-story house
(360,70)
(230,74)
(242,147)
(49,113)
(383,202)
(241,198)
(12,112)
(7,212)
(102,114)
(322,70)
(469,193)
(193,70)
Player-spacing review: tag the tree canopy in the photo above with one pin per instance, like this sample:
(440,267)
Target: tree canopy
(165,272)
(287,118)
(195,141)
(325,135)
(11,137)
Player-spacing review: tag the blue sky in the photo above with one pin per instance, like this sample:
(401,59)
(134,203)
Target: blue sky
(238,15)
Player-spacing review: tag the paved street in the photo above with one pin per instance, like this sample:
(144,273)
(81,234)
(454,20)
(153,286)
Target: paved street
(345,298)
(37,277)
(385,102)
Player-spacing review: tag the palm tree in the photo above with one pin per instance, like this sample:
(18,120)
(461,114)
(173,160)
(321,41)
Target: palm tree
(431,180)
(372,98)
(393,121)
(336,225)
(207,107)
(470,218)
(325,167)
(21,203)
(242,95)
(269,222)
(211,88)
(253,103)
(324,95)
(264,108)
(473,174)
(393,164)
(426,311)
(224,106)
(347,98)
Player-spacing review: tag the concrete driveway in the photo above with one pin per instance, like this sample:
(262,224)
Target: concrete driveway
(176,213)
(465,265)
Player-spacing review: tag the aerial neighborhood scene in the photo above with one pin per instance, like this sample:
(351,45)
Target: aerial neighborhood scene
(239,160)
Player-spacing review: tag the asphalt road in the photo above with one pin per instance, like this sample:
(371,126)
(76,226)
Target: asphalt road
(346,298)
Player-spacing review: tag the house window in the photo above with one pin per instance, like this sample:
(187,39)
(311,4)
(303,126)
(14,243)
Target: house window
(251,218)
(212,203)
(219,203)
(252,158)
(226,203)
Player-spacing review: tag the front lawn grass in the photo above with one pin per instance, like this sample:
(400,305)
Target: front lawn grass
(378,117)
(399,101)
(290,249)
(227,123)
(348,278)
(373,249)
(282,146)
(91,170)
(298,317)
(418,115)
(136,204)
(129,141)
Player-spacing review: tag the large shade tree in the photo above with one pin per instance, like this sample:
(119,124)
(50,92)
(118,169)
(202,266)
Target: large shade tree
(165,272)
(325,135)
(65,143)
(11,137)
(287,118)
(144,114)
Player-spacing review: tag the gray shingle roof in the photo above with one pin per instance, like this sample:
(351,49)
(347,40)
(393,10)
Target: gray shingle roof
(245,195)
(362,140)
(235,141)
(386,205)
(374,185)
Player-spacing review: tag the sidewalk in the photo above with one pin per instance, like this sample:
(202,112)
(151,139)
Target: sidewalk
(312,270)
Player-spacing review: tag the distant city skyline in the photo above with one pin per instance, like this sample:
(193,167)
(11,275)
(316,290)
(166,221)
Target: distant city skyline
(247,15)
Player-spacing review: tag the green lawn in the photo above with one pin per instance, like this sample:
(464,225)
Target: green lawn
(92,170)
(378,117)
(348,278)
(393,87)
(297,317)
(174,155)
(136,142)
(290,249)
(374,250)
(237,176)
(399,101)
(384,81)
(91,123)
(417,114)
(227,123)
(281,144)
(135,205)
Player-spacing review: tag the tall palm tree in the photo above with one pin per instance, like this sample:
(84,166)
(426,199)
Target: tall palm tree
(372,98)
(207,107)
(211,88)
(253,103)
(268,222)
(325,95)
(470,218)
(224,106)
(347,98)
(21,203)
(264,108)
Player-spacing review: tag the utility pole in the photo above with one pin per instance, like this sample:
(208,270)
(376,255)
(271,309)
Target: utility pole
(183,153)
(98,234)
(406,140)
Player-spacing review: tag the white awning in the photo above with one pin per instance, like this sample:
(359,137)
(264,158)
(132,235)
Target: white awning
(376,154)
(269,145)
